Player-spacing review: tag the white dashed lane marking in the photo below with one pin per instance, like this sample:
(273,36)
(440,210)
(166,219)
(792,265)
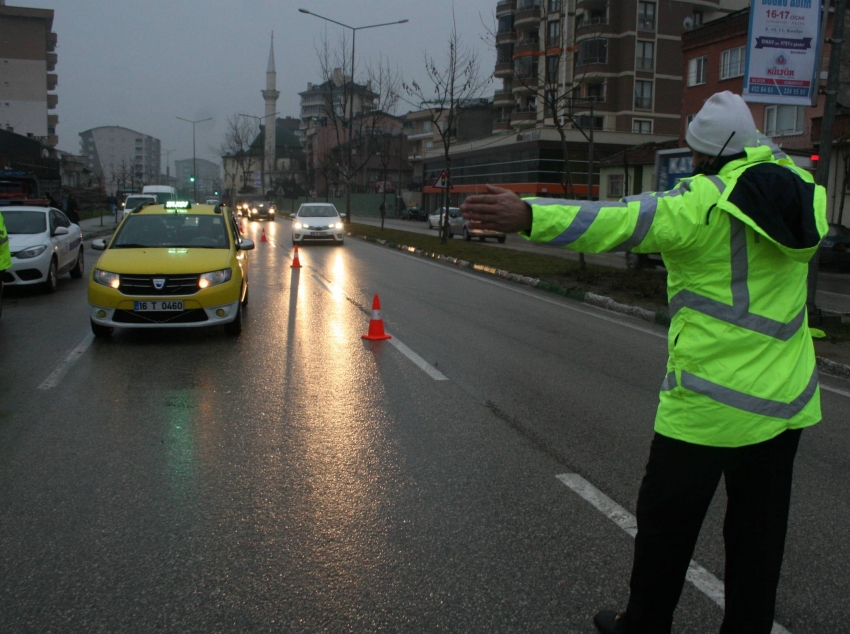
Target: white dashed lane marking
(704,581)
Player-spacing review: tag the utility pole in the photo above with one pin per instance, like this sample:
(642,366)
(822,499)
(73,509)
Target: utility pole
(825,147)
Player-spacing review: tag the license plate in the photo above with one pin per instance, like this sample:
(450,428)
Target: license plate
(158,306)
(320,233)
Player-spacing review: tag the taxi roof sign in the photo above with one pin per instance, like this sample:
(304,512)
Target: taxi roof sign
(178,205)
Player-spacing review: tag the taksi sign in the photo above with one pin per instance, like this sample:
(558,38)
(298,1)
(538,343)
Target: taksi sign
(783,49)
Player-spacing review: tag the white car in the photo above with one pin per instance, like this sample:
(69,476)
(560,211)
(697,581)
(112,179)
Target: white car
(44,245)
(319,222)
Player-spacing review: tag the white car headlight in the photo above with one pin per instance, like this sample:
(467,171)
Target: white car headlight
(298,225)
(112,280)
(337,226)
(214,278)
(32,252)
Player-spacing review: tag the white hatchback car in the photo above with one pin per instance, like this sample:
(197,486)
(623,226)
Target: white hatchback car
(44,245)
(319,222)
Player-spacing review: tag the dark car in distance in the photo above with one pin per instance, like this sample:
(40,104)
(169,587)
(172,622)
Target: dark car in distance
(835,247)
(416,213)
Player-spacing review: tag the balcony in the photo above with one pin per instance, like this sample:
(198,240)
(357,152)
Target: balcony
(525,85)
(505,37)
(524,116)
(52,59)
(52,40)
(529,17)
(420,134)
(503,98)
(52,81)
(646,24)
(591,4)
(504,70)
(526,47)
(505,7)
(52,120)
(500,125)
(52,101)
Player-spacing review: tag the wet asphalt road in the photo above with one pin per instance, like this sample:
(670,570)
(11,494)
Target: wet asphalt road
(299,479)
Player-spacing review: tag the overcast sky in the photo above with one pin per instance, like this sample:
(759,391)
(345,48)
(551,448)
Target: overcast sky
(143,63)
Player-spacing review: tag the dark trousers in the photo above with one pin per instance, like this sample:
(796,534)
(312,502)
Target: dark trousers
(680,481)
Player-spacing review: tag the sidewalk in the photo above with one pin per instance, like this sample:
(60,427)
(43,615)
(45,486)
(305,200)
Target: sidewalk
(92,227)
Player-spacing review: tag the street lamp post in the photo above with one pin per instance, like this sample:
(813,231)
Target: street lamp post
(354,30)
(263,161)
(194,158)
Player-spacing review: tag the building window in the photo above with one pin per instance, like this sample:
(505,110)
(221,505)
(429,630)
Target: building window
(552,68)
(554,37)
(551,99)
(696,70)
(645,59)
(554,6)
(697,18)
(642,126)
(732,62)
(643,95)
(593,51)
(646,16)
(429,145)
(783,120)
(584,121)
(615,185)
(595,91)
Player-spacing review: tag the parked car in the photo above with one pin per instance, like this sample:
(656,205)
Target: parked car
(416,213)
(319,222)
(835,246)
(459,226)
(44,244)
(434,218)
(176,265)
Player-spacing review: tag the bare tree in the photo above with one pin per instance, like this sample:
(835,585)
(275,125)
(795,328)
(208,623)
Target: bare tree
(354,113)
(121,173)
(452,85)
(235,150)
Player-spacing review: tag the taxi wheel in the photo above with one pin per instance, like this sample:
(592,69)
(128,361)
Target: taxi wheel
(52,281)
(79,266)
(234,328)
(103,332)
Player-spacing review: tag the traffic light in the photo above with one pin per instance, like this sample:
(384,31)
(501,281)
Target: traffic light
(191,179)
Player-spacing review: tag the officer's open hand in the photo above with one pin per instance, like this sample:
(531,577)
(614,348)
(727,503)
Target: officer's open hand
(499,210)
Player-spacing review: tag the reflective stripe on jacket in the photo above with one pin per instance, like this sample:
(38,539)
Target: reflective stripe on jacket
(5,253)
(736,246)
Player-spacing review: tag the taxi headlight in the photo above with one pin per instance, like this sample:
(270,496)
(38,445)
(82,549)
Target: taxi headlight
(215,278)
(32,252)
(112,280)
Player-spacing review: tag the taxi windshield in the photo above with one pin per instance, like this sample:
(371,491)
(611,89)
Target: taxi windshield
(172,230)
(317,211)
(25,222)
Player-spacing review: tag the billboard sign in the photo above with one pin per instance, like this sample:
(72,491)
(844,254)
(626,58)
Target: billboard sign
(783,50)
(670,166)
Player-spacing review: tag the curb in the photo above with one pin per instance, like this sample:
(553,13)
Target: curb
(827,366)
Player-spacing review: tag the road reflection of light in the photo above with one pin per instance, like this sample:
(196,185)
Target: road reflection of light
(180,431)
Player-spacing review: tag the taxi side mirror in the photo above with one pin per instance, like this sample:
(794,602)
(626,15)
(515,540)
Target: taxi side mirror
(245,245)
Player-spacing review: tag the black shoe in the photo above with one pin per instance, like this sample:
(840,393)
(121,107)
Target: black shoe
(608,622)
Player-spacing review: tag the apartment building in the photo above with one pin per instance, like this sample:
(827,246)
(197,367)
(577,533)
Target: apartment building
(121,158)
(27,78)
(207,176)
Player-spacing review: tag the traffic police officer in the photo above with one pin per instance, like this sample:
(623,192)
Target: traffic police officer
(741,380)
(5,254)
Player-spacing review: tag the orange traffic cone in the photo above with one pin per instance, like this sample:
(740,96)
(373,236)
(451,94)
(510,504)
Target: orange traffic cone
(376,325)
(296,263)
(263,236)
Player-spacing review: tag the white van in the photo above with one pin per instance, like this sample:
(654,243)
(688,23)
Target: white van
(136,200)
(163,193)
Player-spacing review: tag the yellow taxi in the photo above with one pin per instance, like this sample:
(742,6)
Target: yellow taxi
(172,265)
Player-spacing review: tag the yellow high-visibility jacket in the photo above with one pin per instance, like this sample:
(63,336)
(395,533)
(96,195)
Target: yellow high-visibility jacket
(741,365)
(5,253)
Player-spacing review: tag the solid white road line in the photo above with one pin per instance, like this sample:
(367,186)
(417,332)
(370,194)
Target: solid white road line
(62,369)
(429,369)
(426,367)
(705,582)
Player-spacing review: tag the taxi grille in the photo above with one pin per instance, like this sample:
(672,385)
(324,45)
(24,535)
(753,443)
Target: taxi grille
(174,285)
(160,317)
